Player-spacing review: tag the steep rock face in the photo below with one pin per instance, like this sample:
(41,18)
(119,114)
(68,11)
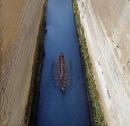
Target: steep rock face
(19,26)
(107,30)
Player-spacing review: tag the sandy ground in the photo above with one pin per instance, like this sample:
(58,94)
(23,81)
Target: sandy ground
(19,25)
(106,25)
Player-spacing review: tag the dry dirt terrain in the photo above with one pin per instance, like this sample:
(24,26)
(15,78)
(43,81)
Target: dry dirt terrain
(107,29)
(19,26)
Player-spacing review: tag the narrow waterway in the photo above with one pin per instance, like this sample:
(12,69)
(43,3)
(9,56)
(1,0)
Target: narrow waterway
(56,108)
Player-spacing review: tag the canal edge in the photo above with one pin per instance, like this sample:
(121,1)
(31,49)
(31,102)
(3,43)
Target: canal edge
(97,116)
(31,109)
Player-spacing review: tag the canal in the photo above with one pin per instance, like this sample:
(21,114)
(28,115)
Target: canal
(54,107)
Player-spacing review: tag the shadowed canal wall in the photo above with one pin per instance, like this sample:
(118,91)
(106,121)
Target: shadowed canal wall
(19,26)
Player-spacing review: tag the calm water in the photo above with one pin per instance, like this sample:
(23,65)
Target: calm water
(56,109)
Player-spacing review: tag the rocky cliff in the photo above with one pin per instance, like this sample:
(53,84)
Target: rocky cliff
(106,24)
(19,26)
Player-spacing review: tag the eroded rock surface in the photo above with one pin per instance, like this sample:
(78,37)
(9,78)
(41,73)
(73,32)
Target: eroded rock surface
(107,29)
(19,26)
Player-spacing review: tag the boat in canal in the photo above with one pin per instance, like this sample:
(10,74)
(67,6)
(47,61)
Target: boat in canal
(62,96)
(61,73)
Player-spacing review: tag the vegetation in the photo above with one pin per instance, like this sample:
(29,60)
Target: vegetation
(97,116)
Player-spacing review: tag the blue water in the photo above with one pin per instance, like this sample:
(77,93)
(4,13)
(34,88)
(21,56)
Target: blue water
(56,109)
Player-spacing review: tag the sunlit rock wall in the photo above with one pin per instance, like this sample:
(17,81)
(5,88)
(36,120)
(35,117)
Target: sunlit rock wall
(19,26)
(107,30)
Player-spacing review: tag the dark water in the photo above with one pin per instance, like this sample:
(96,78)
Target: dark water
(56,109)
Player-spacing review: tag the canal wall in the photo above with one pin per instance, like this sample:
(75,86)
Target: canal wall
(19,26)
(106,28)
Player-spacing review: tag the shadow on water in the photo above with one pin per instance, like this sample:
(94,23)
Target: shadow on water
(54,107)
(32,107)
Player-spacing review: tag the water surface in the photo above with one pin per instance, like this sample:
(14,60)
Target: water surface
(56,109)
